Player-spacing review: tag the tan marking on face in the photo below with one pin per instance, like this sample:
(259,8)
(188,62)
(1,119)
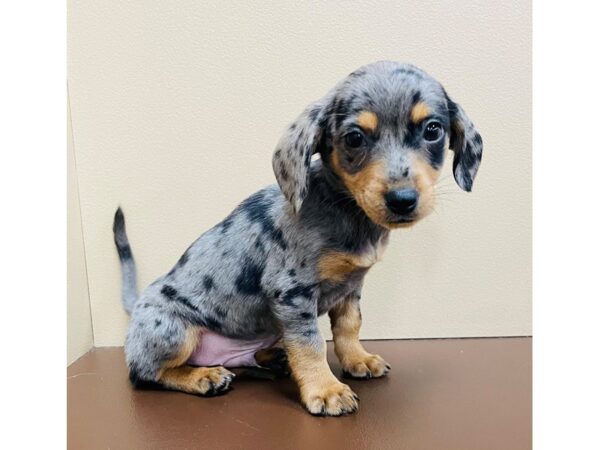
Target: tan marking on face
(368,121)
(419,112)
(336,266)
(424,177)
(345,326)
(366,186)
(320,391)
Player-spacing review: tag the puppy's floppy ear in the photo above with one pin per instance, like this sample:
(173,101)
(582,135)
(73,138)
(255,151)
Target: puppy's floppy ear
(467,145)
(292,157)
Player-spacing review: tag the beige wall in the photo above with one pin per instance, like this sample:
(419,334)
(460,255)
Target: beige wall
(177,107)
(79,321)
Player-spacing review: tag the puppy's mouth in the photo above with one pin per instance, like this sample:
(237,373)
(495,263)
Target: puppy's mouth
(403,220)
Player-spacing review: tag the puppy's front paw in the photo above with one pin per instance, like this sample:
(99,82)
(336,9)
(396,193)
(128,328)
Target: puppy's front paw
(330,399)
(366,366)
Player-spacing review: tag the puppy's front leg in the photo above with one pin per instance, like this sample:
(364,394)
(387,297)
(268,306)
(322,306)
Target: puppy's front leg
(320,391)
(345,325)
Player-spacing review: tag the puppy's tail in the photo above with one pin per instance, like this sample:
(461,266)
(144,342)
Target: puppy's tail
(129,283)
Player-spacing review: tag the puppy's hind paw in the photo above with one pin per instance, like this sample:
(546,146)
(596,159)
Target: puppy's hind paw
(216,381)
(205,381)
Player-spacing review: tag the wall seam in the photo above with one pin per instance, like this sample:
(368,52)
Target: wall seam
(87,282)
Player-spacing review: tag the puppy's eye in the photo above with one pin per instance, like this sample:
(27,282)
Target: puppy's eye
(433,131)
(354,139)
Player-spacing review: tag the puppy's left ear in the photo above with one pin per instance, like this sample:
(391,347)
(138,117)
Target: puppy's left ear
(292,157)
(467,145)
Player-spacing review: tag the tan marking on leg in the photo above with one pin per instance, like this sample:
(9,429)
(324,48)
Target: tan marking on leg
(193,380)
(368,121)
(355,360)
(187,348)
(419,112)
(320,391)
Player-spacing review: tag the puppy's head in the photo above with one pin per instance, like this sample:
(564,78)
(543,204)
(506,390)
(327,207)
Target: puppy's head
(383,133)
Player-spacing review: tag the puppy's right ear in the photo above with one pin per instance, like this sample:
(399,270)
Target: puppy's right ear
(292,157)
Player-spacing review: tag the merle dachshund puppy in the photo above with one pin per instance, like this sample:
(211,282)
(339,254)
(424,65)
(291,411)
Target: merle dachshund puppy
(294,251)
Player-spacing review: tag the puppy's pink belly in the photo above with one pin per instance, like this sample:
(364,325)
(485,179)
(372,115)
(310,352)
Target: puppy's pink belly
(216,350)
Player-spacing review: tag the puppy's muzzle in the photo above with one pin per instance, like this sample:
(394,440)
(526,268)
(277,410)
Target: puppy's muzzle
(402,202)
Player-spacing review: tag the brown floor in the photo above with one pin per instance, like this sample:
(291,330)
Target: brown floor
(441,394)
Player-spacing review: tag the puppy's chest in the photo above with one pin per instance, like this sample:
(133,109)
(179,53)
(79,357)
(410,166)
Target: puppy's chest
(341,273)
(336,266)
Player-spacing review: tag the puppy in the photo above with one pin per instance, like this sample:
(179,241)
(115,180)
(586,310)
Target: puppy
(294,251)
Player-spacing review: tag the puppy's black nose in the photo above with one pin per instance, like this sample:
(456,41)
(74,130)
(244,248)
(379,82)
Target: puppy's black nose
(402,201)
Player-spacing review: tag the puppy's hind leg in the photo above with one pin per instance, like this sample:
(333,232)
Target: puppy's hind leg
(207,381)
(157,354)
